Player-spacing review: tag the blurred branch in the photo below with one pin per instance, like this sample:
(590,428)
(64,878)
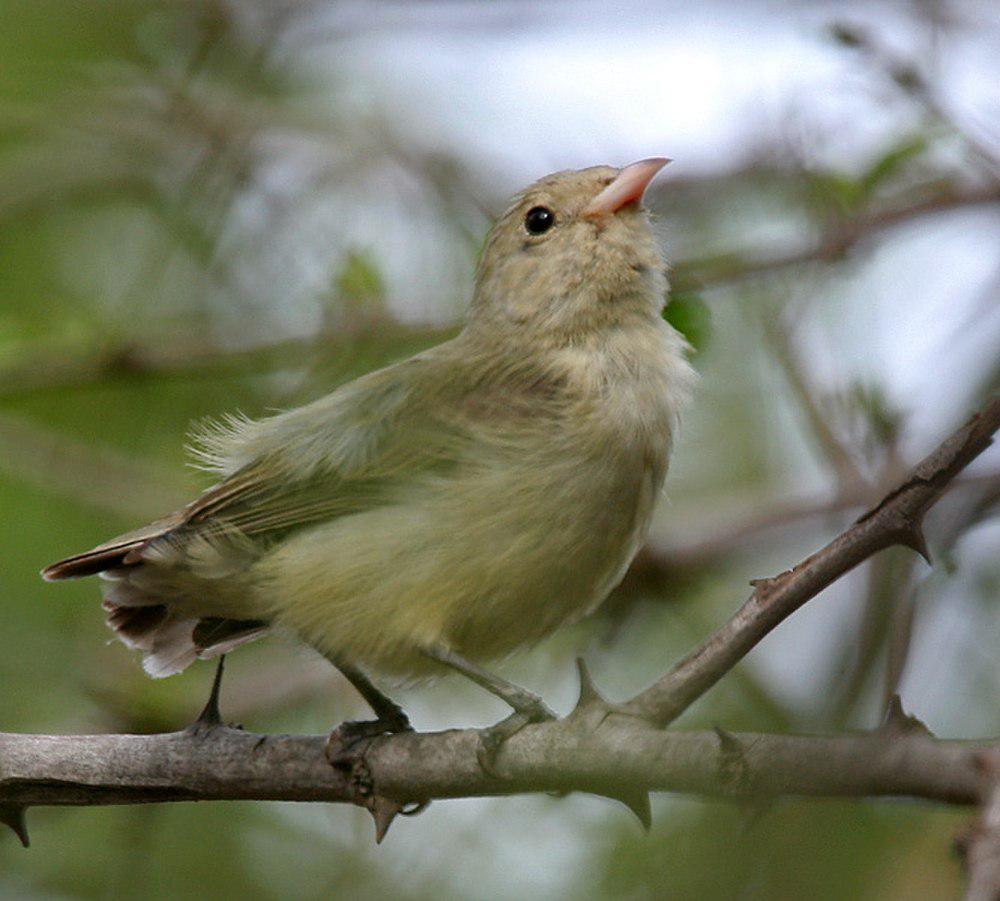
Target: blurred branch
(884,623)
(896,520)
(661,559)
(907,76)
(886,619)
(725,268)
(168,359)
(85,473)
(836,451)
(980,846)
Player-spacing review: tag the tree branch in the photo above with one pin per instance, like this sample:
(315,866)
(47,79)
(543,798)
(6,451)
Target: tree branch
(896,519)
(223,763)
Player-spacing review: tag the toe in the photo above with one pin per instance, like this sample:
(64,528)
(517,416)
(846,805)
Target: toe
(344,740)
(493,738)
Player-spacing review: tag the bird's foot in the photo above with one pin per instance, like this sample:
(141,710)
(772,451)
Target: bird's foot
(346,739)
(528,708)
(345,750)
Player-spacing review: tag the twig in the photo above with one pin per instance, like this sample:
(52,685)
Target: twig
(699,546)
(909,79)
(829,443)
(897,519)
(172,359)
(74,469)
(720,270)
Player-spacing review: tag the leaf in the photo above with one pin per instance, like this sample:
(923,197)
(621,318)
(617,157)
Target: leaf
(359,280)
(690,315)
(833,189)
(891,162)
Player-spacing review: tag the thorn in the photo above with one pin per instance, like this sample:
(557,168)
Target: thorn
(636,800)
(13,815)
(210,715)
(898,720)
(914,539)
(588,690)
(766,586)
(730,743)
(383,811)
(733,767)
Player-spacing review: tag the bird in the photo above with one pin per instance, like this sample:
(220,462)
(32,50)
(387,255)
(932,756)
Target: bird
(447,510)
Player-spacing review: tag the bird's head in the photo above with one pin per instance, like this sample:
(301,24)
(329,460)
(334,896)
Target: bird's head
(574,253)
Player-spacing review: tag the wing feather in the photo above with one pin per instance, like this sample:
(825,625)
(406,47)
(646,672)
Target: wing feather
(343,453)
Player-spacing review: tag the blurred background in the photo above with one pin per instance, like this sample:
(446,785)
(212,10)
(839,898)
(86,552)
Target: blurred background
(211,206)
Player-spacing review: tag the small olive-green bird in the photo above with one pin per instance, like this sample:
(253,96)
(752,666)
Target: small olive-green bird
(453,507)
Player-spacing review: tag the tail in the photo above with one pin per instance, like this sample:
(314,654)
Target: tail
(125,550)
(169,641)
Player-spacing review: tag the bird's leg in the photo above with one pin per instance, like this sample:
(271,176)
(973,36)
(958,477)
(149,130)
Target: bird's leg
(389,716)
(348,743)
(528,707)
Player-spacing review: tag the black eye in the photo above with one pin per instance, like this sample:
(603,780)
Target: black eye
(539,219)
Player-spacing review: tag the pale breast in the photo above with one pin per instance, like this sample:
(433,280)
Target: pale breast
(634,385)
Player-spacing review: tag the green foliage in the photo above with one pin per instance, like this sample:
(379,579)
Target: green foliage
(797,849)
(687,312)
(893,163)
(359,288)
(844,194)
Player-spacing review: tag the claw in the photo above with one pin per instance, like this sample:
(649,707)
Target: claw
(343,742)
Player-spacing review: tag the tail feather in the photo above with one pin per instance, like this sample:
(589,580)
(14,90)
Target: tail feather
(137,627)
(171,649)
(170,642)
(89,564)
(213,636)
(170,639)
(121,551)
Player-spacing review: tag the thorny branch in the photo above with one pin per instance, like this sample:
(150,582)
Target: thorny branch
(896,520)
(223,763)
(617,750)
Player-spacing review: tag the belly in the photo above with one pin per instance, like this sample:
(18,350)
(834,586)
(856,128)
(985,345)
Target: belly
(484,564)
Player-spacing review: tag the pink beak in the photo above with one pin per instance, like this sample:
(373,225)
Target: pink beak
(628,187)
